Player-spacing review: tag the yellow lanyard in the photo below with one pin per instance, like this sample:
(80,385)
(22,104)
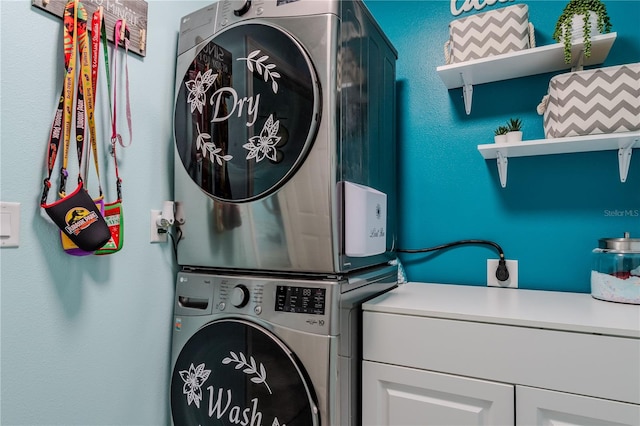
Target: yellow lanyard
(69,86)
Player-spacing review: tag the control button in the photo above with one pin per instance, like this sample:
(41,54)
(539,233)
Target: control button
(221,306)
(257,310)
(241,7)
(239,296)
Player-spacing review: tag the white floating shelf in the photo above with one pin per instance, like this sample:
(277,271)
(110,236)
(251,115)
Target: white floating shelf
(623,142)
(538,60)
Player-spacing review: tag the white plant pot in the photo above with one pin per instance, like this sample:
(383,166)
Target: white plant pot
(514,136)
(577,27)
(500,138)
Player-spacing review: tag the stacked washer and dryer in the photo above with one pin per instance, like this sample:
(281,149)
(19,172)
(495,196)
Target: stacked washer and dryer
(285,190)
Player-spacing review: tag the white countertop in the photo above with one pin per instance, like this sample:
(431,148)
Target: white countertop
(526,308)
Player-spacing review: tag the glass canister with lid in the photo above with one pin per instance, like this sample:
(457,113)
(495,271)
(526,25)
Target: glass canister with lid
(615,275)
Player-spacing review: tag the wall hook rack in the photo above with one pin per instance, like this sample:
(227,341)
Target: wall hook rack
(133,11)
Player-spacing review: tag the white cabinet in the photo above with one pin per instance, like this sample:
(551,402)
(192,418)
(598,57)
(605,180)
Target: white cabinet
(437,354)
(540,407)
(401,396)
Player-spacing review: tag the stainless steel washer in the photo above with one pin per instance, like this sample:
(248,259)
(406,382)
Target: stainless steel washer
(268,350)
(282,109)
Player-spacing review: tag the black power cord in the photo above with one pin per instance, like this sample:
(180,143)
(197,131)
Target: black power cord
(502,273)
(174,241)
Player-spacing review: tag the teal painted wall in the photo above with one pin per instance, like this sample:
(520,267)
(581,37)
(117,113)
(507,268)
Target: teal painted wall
(554,208)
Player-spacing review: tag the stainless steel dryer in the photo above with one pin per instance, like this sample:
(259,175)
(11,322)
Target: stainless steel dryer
(269,351)
(285,153)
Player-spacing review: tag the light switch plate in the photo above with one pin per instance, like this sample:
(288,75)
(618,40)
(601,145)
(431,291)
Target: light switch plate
(9,224)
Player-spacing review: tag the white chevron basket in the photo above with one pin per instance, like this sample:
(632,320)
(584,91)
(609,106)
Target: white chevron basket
(489,33)
(602,100)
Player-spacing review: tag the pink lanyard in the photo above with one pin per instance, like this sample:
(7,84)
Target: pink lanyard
(115,136)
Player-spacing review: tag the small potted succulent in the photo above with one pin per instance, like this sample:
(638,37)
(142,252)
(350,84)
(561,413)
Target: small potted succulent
(514,130)
(590,14)
(500,134)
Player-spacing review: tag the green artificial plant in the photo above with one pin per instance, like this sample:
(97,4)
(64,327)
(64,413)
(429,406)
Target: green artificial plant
(562,31)
(514,125)
(501,130)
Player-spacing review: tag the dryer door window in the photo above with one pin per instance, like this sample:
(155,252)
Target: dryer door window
(247,112)
(232,372)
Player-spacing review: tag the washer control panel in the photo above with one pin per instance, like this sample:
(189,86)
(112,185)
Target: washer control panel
(301,300)
(232,11)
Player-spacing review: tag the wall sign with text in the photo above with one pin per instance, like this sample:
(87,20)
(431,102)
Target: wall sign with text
(459,6)
(134,12)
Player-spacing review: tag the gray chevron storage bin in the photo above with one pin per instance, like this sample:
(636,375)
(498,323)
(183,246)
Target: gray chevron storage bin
(602,100)
(489,33)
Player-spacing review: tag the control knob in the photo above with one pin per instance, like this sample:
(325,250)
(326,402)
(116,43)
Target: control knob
(240,7)
(239,296)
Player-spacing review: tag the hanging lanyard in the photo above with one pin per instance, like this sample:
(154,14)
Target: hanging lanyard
(69,84)
(112,146)
(85,102)
(58,127)
(121,32)
(105,53)
(84,108)
(75,40)
(89,82)
(96,26)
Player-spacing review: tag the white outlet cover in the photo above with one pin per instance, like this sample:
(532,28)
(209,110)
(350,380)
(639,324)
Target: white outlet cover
(511,282)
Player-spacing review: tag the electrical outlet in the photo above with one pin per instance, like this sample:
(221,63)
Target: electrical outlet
(154,236)
(512,267)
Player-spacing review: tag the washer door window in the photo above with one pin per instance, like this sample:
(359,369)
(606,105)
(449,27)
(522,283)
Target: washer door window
(232,372)
(246,112)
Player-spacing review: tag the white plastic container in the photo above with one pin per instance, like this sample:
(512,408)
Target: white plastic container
(615,276)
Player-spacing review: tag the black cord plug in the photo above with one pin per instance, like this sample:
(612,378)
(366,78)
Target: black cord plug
(502,273)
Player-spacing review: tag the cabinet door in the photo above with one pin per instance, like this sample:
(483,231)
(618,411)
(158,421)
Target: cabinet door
(543,407)
(401,396)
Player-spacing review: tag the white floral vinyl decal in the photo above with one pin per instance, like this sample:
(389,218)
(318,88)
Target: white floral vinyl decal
(209,149)
(249,367)
(267,71)
(194,378)
(198,88)
(264,145)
